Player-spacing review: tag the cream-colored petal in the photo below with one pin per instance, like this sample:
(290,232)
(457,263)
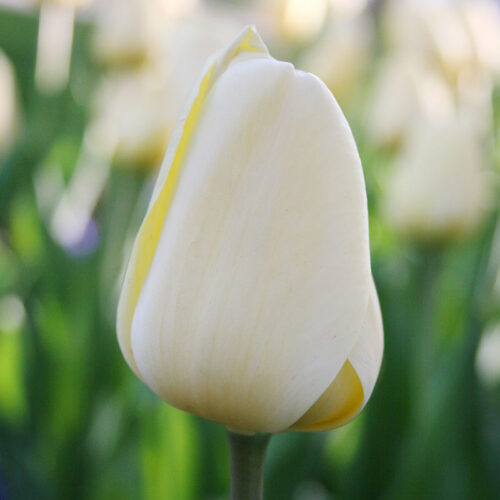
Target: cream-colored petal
(353,386)
(249,43)
(366,356)
(341,402)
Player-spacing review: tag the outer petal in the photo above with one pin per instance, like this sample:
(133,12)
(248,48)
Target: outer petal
(149,232)
(261,268)
(349,392)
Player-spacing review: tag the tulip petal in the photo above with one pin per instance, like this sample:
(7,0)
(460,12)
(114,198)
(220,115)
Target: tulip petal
(149,233)
(352,387)
(253,289)
(366,356)
(341,402)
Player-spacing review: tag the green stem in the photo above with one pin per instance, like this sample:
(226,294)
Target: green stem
(247,454)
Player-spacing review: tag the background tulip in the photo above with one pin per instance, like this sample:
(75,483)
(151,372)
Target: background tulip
(405,89)
(55,40)
(126,31)
(341,56)
(248,298)
(439,185)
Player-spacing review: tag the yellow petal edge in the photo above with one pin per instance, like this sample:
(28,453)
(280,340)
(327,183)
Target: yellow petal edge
(150,230)
(346,394)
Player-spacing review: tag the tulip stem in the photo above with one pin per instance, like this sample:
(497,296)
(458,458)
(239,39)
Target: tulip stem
(247,454)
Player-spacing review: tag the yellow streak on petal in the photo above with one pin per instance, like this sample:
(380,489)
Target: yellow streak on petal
(150,231)
(149,234)
(341,402)
(151,228)
(249,43)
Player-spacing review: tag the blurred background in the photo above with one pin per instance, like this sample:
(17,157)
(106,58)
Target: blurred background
(89,92)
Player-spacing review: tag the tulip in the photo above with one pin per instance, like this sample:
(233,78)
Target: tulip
(248,298)
(431,29)
(126,31)
(129,32)
(459,36)
(296,21)
(405,89)
(340,58)
(131,105)
(55,40)
(438,190)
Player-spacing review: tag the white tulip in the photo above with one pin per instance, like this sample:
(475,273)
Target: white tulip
(297,21)
(341,56)
(131,105)
(405,89)
(460,36)
(126,31)
(248,298)
(429,28)
(439,189)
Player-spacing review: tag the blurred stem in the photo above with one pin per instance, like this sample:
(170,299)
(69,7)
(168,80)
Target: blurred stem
(247,454)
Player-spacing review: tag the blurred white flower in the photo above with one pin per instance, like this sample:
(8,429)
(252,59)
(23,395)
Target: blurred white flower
(127,31)
(8,104)
(438,189)
(341,56)
(55,41)
(455,36)
(297,21)
(131,105)
(405,89)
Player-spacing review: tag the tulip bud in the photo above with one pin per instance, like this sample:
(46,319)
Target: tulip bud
(405,89)
(430,29)
(248,298)
(439,188)
(297,21)
(126,31)
(340,58)
(132,106)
